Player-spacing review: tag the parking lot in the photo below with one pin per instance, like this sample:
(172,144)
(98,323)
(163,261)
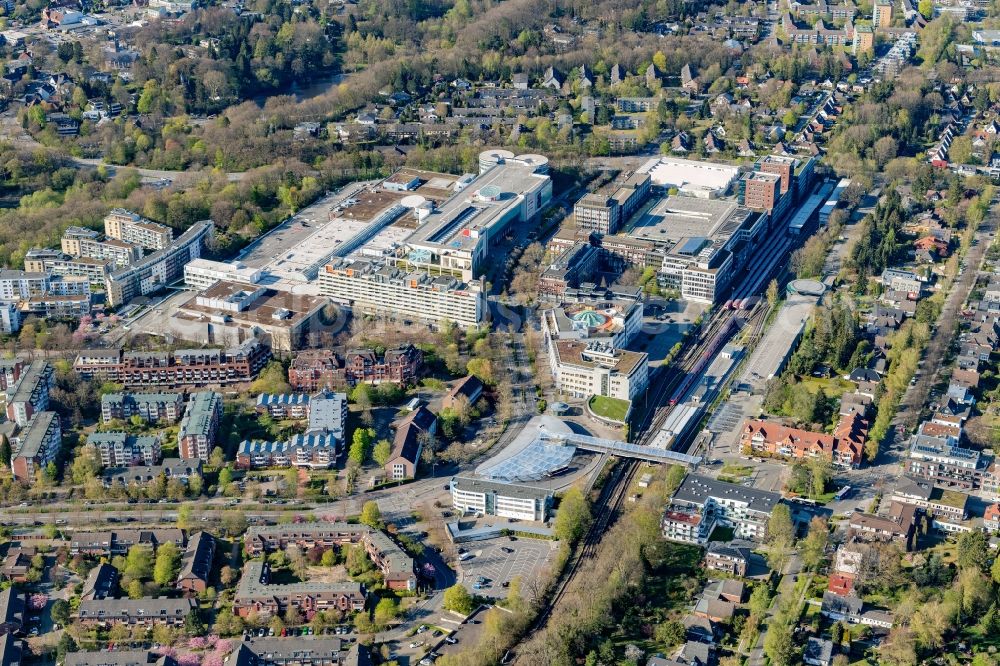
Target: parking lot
(527,559)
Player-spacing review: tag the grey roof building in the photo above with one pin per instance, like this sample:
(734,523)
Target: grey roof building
(118,658)
(147,610)
(196,563)
(101,583)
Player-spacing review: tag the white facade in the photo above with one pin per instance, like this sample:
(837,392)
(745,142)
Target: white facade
(385,291)
(203,273)
(583,370)
(503,500)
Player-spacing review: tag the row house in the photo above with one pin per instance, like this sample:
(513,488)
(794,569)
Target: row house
(394,564)
(316,370)
(147,611)
(182,368)
(257,595)
(118,542)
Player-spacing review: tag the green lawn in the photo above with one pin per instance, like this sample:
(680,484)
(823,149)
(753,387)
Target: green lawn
(609,408)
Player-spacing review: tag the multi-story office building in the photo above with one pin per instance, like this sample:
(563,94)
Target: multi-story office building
(37,445)
(30,394)
(150,407)
(162,267)
(573,267)
(120,449)
(583,369)
(200,425)
(701,243)
(457,236)
(368,287)
(701,504)
(137,230)
(597,212)
(505,500)
(184,367)
(760,191)
(615,322)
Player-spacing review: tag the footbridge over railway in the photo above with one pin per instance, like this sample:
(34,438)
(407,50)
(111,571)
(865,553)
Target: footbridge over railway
(621,449)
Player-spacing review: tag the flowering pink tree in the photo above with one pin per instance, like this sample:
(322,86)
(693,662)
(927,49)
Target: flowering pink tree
(188,659)
(197,643)
(213,659)
(223,645)
(38,601)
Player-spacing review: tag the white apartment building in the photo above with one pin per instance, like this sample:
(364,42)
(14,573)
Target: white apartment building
(504,500)
(583,369)
(22,285)
(384,290)
(119,449)
(701,504)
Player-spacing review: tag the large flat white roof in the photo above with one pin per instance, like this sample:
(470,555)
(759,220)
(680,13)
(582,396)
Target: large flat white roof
(691,175)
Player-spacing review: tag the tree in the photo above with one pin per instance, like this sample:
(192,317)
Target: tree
(926,9)
(813,547)
(361,445)
(184,519)
(5,452)
(760,600)
(86,465)
(168,562)
(217,458)
(271,380)
(382,452)
(193,625)
(135,590)
(139,562)
(778,645)
(60,612)
(670,633)
(386,611)
(973,550)
(573,516)
(65,646)
(371,515)
(780,536)
(329,558)
(234,523)
(225,477)
(458,599)
(773,294)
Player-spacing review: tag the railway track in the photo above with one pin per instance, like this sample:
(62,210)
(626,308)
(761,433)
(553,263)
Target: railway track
(667,380)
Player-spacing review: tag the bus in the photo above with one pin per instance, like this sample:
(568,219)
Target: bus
(843,493)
